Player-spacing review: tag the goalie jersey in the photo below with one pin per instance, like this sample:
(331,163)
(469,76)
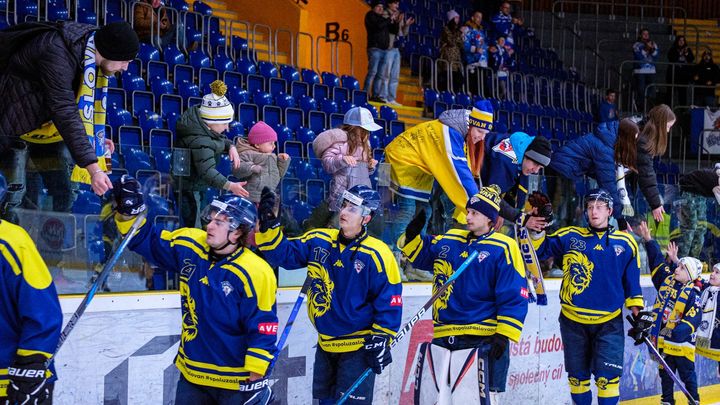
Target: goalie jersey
(355,290)
(489,297)
(229,318)
(31,318)
(601,271)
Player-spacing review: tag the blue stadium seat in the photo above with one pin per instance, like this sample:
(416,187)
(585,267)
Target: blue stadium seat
(224,166)
(235,129)
(148,121)
(289,73)
(183,73)
(272,115)
(116,97)
(277,85)
(202,8)
(299,89)
(350,83)
(117,117)
(290,190)
(463,99)
(188,89)
(198,59)
(340,95)
(316,121)
(309,76)
(284,134)
(305,135)
(56,10)
(396,128)
(86,16)
(247,114)
(173,56)
(157,69)
(328,106)
(267,69)
(135,160)
(294,118)
(142,101)
(262,99)
(305,171)
(255,83)
(147,53)
(307,104)
(160,138)
(207,76)
(345,106)
(160,86)
(86,203)
(320,91)
(336,120)
(330,79)
(447,97)
(388,114)
(237,95)
(163,159)
(131,82)
(315,191)
(245,67)
(301,211)
(284,100)
(170,104)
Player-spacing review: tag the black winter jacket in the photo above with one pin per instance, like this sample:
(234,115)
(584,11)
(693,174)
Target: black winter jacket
(40,73)
(646,177)
(378,31)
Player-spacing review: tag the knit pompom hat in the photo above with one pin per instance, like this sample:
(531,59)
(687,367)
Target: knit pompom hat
(486,201)
(215,107)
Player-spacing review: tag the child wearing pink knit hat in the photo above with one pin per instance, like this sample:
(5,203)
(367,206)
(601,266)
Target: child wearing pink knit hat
(259,165)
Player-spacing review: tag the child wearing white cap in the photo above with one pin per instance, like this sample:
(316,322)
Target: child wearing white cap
(708,334)
(347,156)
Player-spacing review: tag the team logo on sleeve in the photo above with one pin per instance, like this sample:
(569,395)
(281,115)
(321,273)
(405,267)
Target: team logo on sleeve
(268,328)
(396,301)
(188,269)
(443,271)
(505,148)
(227,287)
(618,250)
(524,292)
(359,266)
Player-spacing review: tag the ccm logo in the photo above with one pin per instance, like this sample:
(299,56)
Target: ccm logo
(524,292)
(396,301)
(269,328)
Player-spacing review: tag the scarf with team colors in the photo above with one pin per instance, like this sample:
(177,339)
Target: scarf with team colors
(91,101)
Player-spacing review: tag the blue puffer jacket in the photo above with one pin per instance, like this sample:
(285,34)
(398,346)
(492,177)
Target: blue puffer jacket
(591,155)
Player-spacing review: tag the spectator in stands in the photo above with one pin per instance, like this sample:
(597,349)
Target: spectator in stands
(347,156)
(258,162)
(150,16)
(502,61)
(707,73)
(399,27)
(651,143)
(645,52)
(476,53)
(200,129)
(518,30)
(508,160)
(681,74)
(41,66)
(503,23)
(608,111)
(378,41)
(451,48)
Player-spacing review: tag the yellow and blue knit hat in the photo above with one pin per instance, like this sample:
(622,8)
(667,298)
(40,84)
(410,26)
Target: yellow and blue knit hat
(481,115)
(215,107)
(487,202)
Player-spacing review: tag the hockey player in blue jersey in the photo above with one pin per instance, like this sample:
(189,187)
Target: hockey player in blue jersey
(677,313)
(600,274)
(30,321)
(355,299)
(481,312)
(227,293)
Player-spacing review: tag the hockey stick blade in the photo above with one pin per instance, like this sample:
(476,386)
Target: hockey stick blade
(665,366)
(291,319)
(98,282)
(409,325)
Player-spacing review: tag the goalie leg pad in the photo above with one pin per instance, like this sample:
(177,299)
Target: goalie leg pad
(469,376)
(431,375)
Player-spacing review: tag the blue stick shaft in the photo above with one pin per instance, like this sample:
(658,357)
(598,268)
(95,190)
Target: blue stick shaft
(404,331)
(98,282)
(291,318)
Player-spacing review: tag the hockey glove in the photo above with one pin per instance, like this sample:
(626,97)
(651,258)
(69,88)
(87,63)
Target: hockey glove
(266,210)
(415,226)
(622,224)
(28,384)
(259,392)
(640,326)
(377,350)
(498,344)
(542,202)
(128,197)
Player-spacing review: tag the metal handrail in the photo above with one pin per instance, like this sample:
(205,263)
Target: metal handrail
(183,17)
(223,26)
(173,16)
(477,71)
(452,78)
(269,40)
(432,71)
(691,97)
(317,52)
(447,73)
(276,47)
(352,57)
(247,36)
(302,34)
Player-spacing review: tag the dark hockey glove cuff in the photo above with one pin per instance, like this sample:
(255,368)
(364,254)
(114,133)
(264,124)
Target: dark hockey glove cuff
(415,227)
(640,326)
(498,344)
(261,392)
(266,210)
(377,350)
(128,196)
(28,381)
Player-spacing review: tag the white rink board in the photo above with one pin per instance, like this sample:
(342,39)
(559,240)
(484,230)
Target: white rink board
(122,350)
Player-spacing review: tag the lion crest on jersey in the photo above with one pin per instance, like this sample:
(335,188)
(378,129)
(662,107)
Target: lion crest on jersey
(321,289)
(577,273)
(443,271)
(189,316)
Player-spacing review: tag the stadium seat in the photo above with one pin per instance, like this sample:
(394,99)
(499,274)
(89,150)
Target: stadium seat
(289,73)
(267,69)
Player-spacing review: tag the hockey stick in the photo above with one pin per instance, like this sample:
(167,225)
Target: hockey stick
(665,366)
(404,331)
(98,282)
(536,285)
(291,319)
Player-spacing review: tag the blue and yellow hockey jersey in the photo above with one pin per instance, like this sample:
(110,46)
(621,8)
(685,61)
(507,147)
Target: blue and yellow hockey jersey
(355,291)
(229,318)
(489,297)
(677,307)
(30,318)
(600,272)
